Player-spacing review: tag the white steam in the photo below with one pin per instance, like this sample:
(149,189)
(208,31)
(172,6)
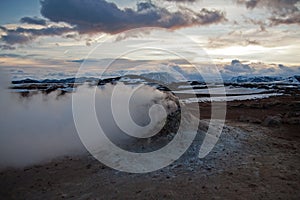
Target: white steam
(41,127)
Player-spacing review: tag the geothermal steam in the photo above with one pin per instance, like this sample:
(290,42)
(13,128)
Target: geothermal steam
(40,127)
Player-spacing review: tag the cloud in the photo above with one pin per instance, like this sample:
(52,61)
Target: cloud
(288,70)
(15,38)
(239,38)
(3,28)
(262,24)
(11,55)
(33,20)
(134,34)
(182,1)
(227,41)
(101,16)
(251,3)
(281,70)
(6,47)
(274,5)
(290,19)
(237,67)
(282,11)
(95,16)
(53,30)
(24,35)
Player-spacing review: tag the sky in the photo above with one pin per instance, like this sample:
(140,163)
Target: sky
(53,37)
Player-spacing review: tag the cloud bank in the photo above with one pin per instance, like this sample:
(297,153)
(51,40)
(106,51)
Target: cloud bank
(24,35)
(282,11)
(274,5)
(237,68)
(100,16)
(33,20)
(180,1)
(93,16)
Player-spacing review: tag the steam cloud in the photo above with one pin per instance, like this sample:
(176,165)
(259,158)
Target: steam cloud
(41,127)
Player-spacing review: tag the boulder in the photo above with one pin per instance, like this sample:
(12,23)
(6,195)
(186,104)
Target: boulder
(272,121)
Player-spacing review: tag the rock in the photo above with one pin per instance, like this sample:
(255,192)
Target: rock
(292,114)
(295,105)
(292,118)
(292,121)
(272,121)
(297,77)
(109,80)
(249,119)
(88,166)
(257,106)
(271,104)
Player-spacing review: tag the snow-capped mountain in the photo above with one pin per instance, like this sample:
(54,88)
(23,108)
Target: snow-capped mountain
(163,77)
(265,79)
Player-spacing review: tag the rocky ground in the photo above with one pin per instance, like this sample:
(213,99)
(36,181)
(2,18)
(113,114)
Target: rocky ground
(257,157)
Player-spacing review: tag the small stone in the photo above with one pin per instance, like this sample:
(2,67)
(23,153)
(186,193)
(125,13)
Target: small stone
(89,166)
